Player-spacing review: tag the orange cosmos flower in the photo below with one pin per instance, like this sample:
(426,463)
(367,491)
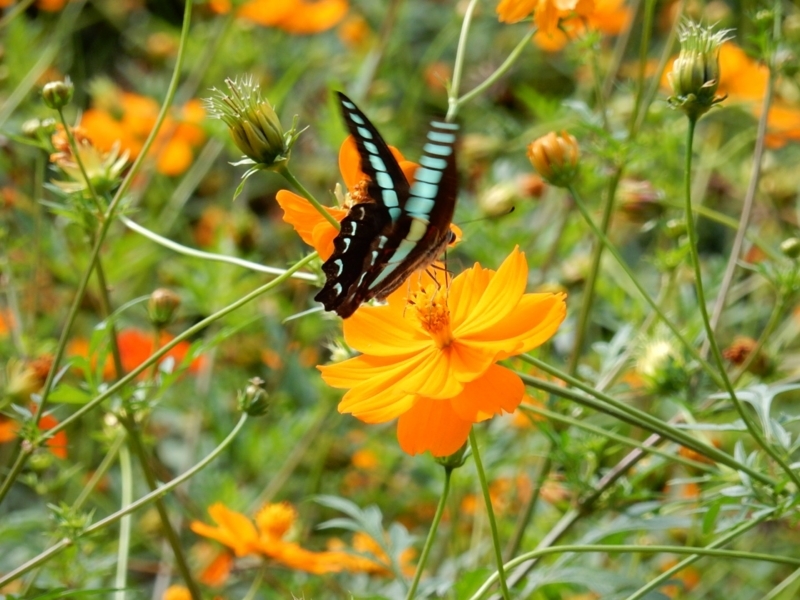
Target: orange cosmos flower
(609,17)
(546,13)
(293,16)
(312,227)
(177,592)
(430,360)
(265,537)
(128,118)
(9,430)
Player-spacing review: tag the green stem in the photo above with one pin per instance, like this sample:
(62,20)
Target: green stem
(288,176)
(778,590)
(614,436)
(489,81)
(622,548)
(138,448)
(609,405)
(701,300)
(123,548)
(448,472)
(131,508)
(490,514)
(644,47)
(527,514)
(594,271)
(458,64)
(100,472)
(14,11)
(77,156)
(256,585)
(650,301)
(186,251)
(666,575)
(105,300)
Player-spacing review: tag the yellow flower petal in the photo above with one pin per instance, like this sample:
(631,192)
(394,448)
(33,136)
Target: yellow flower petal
(432,425)
(370,331)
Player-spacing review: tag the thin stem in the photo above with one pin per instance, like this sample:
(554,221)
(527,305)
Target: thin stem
(619,50)
(123,548)
(101,470)
(448,472)
(131,508)
(647,27)
(609,405)
(105,300)
(747,207)
(594,271)
(458,65)
(77,156)
(666,575)
(776,592)
(622,548)
(701,300)
(653,304)
(490,81)
(186,251)
(614,436)
(256,585)
(287,175)
(527,514)
(473,443)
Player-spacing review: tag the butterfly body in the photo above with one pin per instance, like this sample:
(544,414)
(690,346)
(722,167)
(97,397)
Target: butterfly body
(396,228)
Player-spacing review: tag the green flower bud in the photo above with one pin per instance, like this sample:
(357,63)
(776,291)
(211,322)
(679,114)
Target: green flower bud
(57,94)
(695,73)
(161,306)
(254,400)
(791,247)
(252,123)
(455,460)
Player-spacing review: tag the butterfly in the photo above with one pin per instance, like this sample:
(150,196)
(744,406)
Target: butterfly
(400,227)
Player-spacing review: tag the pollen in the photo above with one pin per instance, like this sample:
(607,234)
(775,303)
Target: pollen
(360,193)
(430,308)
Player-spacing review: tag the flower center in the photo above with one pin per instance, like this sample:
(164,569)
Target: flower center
(430,307)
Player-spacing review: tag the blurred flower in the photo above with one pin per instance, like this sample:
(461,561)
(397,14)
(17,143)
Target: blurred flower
(555,157)
(293,16)
(26,377)
(739,352)
(687,579)
(51,5)
(217,570)
(639,200)
(354,32)
(7,322)
(791,247)
(265,537)
(312,227)
(499,199)
(379,564)
(431,360)
(177,592)
(135,347)
(10,429)
(125,118)
(546,13)
(364,459)
(695,73)
(609,17)
(104,168)
(661,366)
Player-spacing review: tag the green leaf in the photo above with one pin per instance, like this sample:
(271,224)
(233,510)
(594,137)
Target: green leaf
(67,394)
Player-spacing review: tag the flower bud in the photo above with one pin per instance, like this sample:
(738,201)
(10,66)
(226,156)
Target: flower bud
(252,123)
(791,247)
(161,306)
(739,353)
(675,228)
(639,200)
(455,460)
(695,73)
(254,400)
(662,367)
(57,94)
(555,157)
(498,200)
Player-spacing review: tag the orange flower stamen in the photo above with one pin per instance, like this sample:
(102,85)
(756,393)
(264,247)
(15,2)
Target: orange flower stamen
(433,314)
(360,193)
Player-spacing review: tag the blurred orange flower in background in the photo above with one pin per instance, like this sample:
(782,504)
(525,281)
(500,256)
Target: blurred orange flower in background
(9,430)
(128,118)
(312,227)
(609,17)
(429,360)
(293,16)
(546,13)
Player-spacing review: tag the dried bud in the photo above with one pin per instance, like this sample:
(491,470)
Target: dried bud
(555,157)
(162,306)
(791,247)
(57,94)
(254,400)
(498,200)
(639,200)
(695,73)
(252,123)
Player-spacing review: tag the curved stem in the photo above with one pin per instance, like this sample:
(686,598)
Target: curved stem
(666,575)
(489,81)
(458,65)
(621,548)
(701,300)
(293,181)
(490,514)
(431,534)
(133,507)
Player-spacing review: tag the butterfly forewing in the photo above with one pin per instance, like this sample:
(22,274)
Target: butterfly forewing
(401,228)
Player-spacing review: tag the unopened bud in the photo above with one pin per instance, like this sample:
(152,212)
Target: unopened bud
(498,200)
(555,157)
(162,306)
(791,247)
(254,400)
(455,460)
(57,94)
(676,228)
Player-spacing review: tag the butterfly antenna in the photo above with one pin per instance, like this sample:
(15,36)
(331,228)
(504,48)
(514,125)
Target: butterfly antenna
(488,217)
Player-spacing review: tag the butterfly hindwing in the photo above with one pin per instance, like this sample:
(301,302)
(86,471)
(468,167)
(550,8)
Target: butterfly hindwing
(401,227)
